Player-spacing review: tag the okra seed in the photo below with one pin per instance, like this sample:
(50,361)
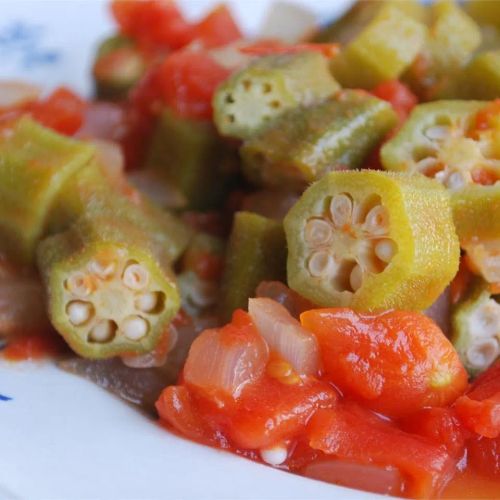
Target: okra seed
(341,210)
(437,133)
(102,270)
(318,232)
(455,181)
(247,84)
(267,88)
(356,278)
(231,118)
(104,331)
(134,327)
(79,312)
(229,99)
(147,302)
(377,220)
(135,277)
(429,166)
(274,455)
(483,353)
(321,263)
(275,104)
(385,250)
(79,284)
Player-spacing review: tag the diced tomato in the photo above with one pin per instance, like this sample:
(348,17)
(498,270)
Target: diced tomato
(155,24)
(439,425)
(270,412)
(479,409)
(62,111)
(461,281)
(188,81)
(217,28)
(271,47)
(484,456)
(221,362)
(402,99)
(350,433)
(396,362)
(33,346)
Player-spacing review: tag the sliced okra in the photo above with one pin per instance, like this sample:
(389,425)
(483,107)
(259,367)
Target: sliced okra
(253,97)
(306,143)
(256,251)
(109,289)
(35,165)
(481,78)
(476,328)
(371,240)
(382,51)
(437,141)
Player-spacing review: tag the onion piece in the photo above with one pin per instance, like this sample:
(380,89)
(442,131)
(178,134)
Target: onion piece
(294,303)
(285,335)
(15,93)
(222,361)
(288,22)
(110,156)
(103,120)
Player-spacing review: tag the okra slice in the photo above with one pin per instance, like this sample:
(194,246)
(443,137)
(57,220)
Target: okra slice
(306,143)
(484,12)
(372,240)
(35,165)
(436,142)
(110,290)
(476,328)
(481,78)
(475,212)
(190,155)
(452,38)
(256,251)
(254,96)
(382,51)
(117,67)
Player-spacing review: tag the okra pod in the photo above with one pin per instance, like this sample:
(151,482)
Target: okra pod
(484,12)
(481,78)
(117,67)
(382,51)
(476,328)
(109,286)
(372,240)
(250,99)
(189,154)
(439,140)
(256,251)
(35,165)
(306,143)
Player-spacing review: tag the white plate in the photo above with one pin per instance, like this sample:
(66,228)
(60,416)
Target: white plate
(61,437)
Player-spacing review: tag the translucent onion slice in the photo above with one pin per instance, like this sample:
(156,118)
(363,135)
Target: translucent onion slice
(15,93)
(103,120)
(294,303)
(285,335)
(221,362)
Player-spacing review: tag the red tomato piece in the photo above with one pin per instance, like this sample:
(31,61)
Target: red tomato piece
(402,99)
(440,426)
(351,433)
(395,362)
(217,28)
(484,456)
(62,111)
(188,80)
(270,412)
(33,346)
(479,409)
(156,25)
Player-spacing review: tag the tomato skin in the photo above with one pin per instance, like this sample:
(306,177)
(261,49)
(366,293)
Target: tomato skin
(351,433)
(484,456)
(479,409)
(217,28)
(441,426)
(402,99)
(270,411)
(33,346)
(395,362)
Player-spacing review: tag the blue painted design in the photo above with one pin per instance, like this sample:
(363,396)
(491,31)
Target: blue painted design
(24,42)
(5,398)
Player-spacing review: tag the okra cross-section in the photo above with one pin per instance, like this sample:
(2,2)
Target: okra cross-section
(371,240)
(35,165)
(256,95)
(109,291)
(307,142)
(440,140)
(476,328)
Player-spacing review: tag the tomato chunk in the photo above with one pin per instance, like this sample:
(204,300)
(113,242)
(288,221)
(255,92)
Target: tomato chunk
(217,28)
(395,362)
(350,433)
(484,456)
(439,425)
(402,99)
(479,409)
